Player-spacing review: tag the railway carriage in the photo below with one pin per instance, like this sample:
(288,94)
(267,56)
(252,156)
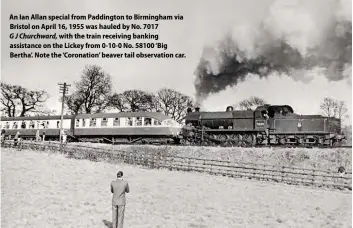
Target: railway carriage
(123,127)
(126,127)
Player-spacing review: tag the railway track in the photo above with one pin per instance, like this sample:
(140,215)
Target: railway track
(194,145)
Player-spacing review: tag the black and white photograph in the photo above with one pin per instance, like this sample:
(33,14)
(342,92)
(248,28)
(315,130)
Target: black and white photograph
(176,114)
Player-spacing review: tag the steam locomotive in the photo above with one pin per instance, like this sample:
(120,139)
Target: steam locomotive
(267,125)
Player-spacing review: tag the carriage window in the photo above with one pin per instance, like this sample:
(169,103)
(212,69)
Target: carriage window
(104,122)
(138,121)
(93,122)
(23,125)
(170,122)
(156,122)
(7,125)
(129,121)
(116,122)
(57,124)
(77,123)
(44,124)
(31,124)
(83,123)
(148,121)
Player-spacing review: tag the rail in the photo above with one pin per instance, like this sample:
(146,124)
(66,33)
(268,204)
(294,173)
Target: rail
(157,160)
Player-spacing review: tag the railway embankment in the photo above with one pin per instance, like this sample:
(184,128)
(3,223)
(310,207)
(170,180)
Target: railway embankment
(299,166)
(313,158)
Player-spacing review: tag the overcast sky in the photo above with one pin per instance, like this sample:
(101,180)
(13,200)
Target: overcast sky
(205,23)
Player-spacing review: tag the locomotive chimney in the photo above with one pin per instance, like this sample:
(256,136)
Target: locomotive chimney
(197,109)
(229,109)
(189,110)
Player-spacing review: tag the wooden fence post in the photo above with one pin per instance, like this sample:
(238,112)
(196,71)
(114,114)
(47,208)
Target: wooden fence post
(313,178)
(282,174)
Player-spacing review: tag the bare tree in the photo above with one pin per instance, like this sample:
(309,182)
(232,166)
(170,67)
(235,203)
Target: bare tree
(173,103)
(74,103)
(328,106)
(117,101)
(341,109)
(92,91)
(133,101)
(17,100)
(251,103)
(8,101)
(333,108)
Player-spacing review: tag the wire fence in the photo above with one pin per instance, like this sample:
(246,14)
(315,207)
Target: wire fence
(158,160)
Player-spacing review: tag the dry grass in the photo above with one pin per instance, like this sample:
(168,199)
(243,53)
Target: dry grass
(328,159)
(47,190)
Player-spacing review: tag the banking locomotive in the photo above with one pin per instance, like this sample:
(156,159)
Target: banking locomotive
(123,127)
(267,125)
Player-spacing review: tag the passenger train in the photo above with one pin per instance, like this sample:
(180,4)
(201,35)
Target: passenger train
(266,125)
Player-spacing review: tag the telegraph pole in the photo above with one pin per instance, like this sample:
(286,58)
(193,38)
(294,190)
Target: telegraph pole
(63,89)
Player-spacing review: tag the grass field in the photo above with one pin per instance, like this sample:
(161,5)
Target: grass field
(50,190)
(328,159)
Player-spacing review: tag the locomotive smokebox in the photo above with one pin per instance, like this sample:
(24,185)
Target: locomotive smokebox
(197,109)
(188,110)
(229,109)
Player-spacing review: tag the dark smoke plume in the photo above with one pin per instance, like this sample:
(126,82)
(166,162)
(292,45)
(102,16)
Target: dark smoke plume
(229,63)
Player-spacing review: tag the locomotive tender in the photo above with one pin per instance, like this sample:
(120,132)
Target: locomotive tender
(267,125)
(123,127)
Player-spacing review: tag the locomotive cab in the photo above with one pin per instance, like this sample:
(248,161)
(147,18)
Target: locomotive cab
(279,110)
(273,110)
(263,115)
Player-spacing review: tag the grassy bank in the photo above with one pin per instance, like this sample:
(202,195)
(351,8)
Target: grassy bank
(328,159)
(50,190)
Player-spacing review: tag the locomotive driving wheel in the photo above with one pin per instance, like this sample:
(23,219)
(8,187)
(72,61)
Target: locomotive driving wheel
(336,143)
(184,141)
(223,140)
(248,140)
(262,139)
(234,140)
(205,143)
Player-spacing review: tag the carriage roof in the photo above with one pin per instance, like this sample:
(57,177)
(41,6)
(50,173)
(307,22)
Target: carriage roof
(24,118)
(155,115)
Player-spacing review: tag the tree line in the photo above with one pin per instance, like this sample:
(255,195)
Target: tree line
(93,93)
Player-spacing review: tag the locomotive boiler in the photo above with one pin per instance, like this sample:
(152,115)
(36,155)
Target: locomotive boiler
(266,125)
